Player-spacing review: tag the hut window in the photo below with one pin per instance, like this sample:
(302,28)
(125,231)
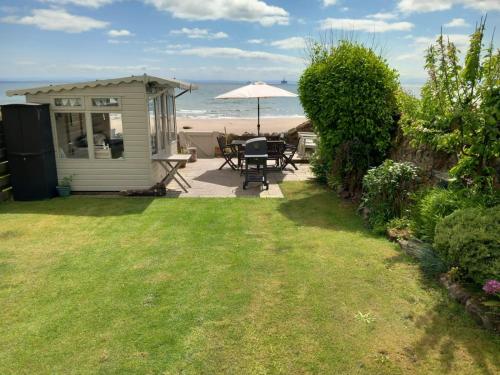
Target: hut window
(71,135)
(68,102)
(163,133)
(153,124)
(172,127)
(107,131)
(105,102)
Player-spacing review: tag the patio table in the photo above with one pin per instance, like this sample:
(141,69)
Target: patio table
(171,164)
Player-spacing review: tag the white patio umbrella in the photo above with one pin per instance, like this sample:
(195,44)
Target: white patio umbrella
(256,90)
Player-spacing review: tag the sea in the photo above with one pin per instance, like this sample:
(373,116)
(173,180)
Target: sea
(201,103)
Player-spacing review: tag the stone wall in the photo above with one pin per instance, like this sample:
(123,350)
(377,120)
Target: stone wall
(433,164)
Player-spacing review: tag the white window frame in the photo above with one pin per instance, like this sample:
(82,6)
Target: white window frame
(87,109)
(92,131)
(161,121)
(59,108)
(172,125)
(89,104)
(155,111)
(90,142)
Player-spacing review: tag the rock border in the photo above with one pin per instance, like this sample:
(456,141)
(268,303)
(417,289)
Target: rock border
(484,315)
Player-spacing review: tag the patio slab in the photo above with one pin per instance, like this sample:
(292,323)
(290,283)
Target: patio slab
(207,180)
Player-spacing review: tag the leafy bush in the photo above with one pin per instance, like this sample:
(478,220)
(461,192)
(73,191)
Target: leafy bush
(470,239)
(349,93)
(387,189)
(432,205)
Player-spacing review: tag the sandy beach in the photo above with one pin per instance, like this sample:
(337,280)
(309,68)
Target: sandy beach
(239,126)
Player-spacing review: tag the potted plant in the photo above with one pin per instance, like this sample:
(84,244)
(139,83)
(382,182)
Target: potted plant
(64,187)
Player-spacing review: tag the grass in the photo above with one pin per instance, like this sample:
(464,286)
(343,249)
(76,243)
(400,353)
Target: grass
(214,286)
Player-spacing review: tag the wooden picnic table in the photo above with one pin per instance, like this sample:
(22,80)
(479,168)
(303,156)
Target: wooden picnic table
(171,164)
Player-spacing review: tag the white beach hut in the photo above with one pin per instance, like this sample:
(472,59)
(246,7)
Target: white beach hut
(107,133)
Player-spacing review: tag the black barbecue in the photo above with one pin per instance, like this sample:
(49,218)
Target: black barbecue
(256,162)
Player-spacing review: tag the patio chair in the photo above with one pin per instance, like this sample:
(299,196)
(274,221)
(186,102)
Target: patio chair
(275,150)
(287,156)
(228,153)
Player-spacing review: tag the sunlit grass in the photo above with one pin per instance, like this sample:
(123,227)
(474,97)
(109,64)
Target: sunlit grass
(211,286)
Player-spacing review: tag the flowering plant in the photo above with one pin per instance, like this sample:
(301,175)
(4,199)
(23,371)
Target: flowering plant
(492,287)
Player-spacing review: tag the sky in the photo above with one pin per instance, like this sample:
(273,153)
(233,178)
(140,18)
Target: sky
(235,40)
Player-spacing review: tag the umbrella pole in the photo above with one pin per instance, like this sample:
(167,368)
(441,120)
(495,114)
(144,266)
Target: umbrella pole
(258,117)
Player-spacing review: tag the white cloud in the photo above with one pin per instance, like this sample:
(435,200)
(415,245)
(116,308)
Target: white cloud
(410,6)
(113,68)
(384,16)
(327,3)
(255,41)
(409,56)
(274,69)
(116,41)
(419,46)
(197,33)
(84,3)
(119,33)
(422,6)
(234,53)
(57,20)
(423,42)
(411,64)
(457,22)
(460,40)
(178,46)
(234,10)
(482,5)
(271,72)
(25,62)
(374,26)
(295,42)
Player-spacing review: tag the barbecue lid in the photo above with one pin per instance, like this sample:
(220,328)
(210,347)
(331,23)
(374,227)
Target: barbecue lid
(256,147)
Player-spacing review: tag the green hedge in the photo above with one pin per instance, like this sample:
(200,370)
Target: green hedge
(470,240)
(349,93)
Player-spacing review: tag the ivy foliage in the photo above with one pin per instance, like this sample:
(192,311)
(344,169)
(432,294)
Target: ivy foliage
(460,109)
(349,93)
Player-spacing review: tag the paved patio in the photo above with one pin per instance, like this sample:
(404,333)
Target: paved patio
(207,180)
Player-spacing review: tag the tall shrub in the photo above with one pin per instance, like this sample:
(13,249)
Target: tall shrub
(349,93)
(460,109)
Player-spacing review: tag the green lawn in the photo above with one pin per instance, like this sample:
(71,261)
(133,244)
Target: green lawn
(214,286)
